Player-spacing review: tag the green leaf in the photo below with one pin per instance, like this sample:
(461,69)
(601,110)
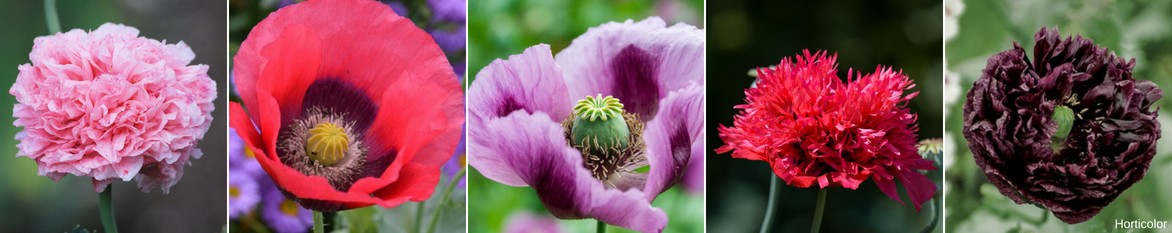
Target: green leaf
(359,220)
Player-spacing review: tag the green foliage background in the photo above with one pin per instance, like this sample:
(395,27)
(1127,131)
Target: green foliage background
(1137,29)
(499,28)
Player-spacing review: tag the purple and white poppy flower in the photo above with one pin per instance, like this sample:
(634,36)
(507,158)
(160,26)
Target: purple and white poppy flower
(580,127)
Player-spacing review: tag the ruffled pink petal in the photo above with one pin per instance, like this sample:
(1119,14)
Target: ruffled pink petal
(532,149)
(637,62)
(111,105)
(671,137)
(164,174)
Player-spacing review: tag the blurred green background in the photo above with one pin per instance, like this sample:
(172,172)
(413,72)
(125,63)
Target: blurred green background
(499,28)
(33,203)
(748,34)
(1132,29)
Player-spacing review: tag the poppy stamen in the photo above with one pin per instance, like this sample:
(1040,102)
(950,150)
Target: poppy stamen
(609,138)
(324,143)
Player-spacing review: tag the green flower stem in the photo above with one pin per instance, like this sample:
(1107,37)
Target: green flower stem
(328,220)
(106,211)
(51,16)
(935,217)
(418,217)
(601,227)
(318,225)
(770,208)
(818,209)
(444,199)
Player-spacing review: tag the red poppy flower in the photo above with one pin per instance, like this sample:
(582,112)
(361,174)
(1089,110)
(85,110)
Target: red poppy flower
(348,105)
(814,129)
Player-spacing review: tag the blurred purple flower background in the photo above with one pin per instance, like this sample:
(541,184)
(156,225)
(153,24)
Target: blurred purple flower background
(249,187)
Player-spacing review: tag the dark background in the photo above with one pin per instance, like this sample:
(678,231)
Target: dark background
(31,203)
(747,34)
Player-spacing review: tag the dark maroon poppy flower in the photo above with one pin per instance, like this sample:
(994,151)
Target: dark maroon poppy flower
(1068,131)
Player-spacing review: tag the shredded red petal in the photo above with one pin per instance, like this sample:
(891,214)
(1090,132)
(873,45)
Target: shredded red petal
(815,129)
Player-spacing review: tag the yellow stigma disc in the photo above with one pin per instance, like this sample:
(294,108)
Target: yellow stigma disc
(327,143)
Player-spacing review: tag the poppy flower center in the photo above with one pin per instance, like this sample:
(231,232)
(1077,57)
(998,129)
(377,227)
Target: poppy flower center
(327,143)
(599,124)
(320,144)
(609,138)
(1064,117)
(327,138)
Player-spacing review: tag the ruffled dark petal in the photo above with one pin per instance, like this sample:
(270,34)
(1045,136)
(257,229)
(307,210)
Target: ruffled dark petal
(1007,122)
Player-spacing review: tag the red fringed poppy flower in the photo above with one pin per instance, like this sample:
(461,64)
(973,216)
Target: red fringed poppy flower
(348,105)
(812,128)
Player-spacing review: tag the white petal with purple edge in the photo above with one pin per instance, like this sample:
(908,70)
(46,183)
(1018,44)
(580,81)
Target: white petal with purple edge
(672,136)
(529,81)
(637,62)
(532,149)
(693,180)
